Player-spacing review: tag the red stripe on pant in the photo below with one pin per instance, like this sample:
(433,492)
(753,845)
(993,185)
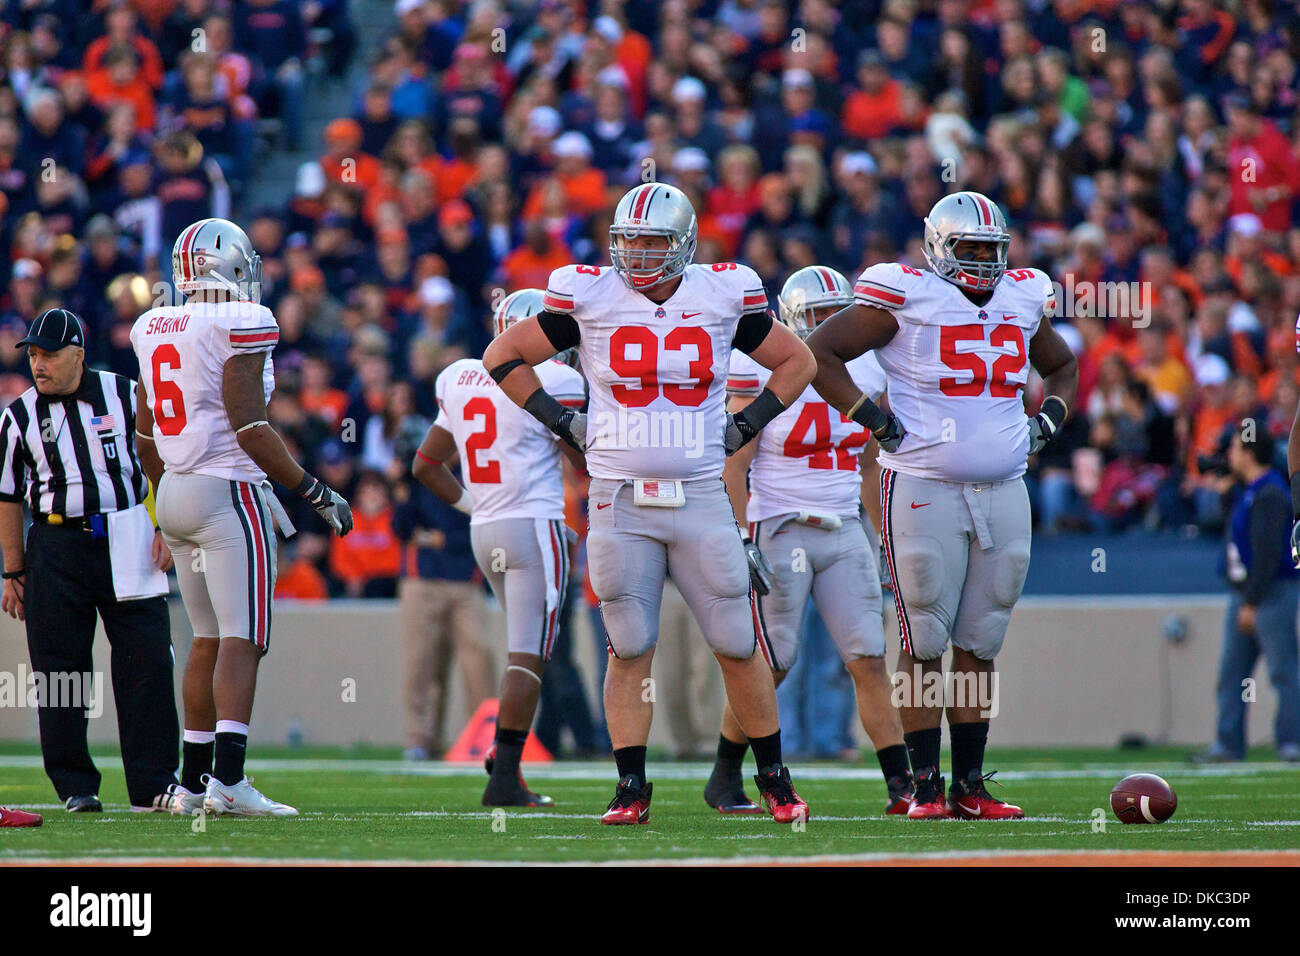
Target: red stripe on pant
(887,529)
(553,619)
(261,569)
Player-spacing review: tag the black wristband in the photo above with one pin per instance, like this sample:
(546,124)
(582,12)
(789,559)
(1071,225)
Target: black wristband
(1054,408)
(13,575)
(1295,496)
(505,368)
(869,415)
(545,408)
(762,409)
(305,486)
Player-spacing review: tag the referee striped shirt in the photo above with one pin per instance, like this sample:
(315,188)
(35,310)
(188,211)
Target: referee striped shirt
(73,455)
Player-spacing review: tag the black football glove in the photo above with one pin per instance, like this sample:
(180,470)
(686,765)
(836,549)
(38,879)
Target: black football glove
(1044,426)
(329,504)
(739,433)
(760,569)
(572,428)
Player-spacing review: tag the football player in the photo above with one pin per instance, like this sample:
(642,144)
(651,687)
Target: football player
(956,344)
(206,374)
(654,334)
(797,490)
(515,500)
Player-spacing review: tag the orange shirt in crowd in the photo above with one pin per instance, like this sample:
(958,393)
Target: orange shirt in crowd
(364,174)
(871,115)
(328,403)
(452,179)
(370,550)
(151,64)
(524,269)
(104,92)
(1207,426)
(584,191)
(301,581)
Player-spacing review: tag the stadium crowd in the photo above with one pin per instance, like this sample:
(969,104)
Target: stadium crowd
(1145,145)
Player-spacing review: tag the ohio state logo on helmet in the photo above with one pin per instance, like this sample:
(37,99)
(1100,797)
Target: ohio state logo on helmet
(216,254)
(652,209)
(966,217)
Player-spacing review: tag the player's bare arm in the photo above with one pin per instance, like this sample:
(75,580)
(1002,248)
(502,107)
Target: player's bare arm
(849,333)
(144,443)
(429,469)
(1053,360)
(778,349)
(510,358)
(11,543)
(241,391)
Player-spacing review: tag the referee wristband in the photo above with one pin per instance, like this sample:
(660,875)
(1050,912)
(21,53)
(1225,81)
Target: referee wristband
(13,575)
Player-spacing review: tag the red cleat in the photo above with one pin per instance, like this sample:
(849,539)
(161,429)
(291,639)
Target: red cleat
(928,801)
(970,800)
(901,792)
(631,803)
(18,818)
(777,794)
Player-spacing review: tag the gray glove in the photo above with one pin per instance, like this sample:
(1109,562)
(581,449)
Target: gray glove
(1044,425)
(330,505)
(1295,544)
(760,569)
(739,433)
(573,429)
(892,435)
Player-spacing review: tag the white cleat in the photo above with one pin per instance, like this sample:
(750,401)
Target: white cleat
(242,800)
(176,799)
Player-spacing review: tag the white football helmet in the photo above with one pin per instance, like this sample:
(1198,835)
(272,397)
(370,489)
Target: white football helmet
(521,305)
(216,254)
(516,307)
(813,287)
(652,209)
(966,216)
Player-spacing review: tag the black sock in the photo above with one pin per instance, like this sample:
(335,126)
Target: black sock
(229,763)
(923,748)
(196,760)
(968,743)
(631,762)
(731,754)
(510,748)
(893,762)
(767,750)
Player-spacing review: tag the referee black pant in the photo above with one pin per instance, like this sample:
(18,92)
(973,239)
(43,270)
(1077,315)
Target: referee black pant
(69,579)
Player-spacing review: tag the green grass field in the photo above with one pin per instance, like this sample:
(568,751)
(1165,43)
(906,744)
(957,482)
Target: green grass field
(371,806)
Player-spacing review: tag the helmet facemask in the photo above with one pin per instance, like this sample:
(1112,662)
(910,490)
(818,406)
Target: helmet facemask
(654,266)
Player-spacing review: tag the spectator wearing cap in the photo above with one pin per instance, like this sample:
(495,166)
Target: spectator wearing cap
(26,288)
(464,139)
(471,90)
(199,108)
(92,551)
(694,126)
(189,187)
(583,184)
(344,162)
(460,245)
(865,211)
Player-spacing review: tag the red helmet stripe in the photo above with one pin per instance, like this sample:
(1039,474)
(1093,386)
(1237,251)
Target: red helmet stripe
(986,214)
(638,208)
(184,252)
(826,277)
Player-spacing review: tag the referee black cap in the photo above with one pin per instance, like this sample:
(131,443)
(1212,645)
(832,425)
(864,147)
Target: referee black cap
(54,329)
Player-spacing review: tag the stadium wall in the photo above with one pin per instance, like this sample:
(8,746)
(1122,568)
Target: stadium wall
(1074,671)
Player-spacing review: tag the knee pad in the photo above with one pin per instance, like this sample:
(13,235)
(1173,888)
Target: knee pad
(728,627)
(920,568)
(630,626)
(1011,567)
(724,572)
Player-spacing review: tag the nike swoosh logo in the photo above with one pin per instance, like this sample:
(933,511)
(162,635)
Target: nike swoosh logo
(923,505)
(690,315)
(974,813)
(598,507)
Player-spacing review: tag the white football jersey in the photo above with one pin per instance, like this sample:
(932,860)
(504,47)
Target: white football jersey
(807,457)
(510,462)
(956,370)
(657,372)
(183,350)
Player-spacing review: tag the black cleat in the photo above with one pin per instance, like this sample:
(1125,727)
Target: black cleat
(725,792)
(513,793)
(85,803)
(777,793)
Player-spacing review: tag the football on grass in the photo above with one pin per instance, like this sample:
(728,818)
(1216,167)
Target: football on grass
(1143,798)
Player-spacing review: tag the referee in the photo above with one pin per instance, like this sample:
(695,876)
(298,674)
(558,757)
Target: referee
(67,449)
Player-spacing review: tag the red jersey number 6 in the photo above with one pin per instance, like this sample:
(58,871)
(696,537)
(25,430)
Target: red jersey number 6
(164,389)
